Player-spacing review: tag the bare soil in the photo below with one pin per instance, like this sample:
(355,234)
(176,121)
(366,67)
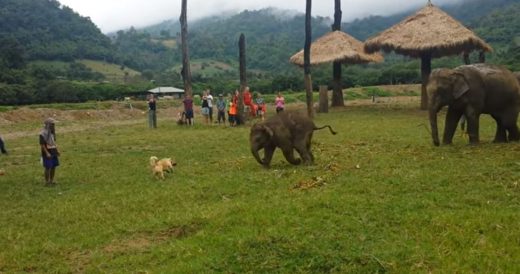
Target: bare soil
(120,115)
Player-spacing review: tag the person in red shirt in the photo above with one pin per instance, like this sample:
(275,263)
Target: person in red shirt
(248,101)
(188,110)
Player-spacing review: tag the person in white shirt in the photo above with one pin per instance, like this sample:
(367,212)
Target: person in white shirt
(209,97)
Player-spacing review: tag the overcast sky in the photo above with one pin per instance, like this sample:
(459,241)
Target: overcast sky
(112,15)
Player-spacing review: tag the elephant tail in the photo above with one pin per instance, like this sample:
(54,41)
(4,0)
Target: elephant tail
(330,128)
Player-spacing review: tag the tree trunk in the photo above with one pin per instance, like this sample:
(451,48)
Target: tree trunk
(186,71)
(243,78)
(337,91)
(324,100)
(465,58)
(482,57)
(307,59)
(426,69)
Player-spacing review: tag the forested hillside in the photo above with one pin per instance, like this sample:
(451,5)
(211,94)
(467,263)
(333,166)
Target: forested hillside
(273,35)
(41,43)
(33,32)
(46,30)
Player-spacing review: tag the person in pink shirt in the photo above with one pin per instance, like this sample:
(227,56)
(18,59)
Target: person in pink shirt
(279,103)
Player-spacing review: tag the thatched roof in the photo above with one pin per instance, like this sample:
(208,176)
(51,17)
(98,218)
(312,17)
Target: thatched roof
(337,46)
(429,30)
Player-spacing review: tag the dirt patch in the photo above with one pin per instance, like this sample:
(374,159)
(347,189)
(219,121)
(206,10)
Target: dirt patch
(119,114)
(75,120)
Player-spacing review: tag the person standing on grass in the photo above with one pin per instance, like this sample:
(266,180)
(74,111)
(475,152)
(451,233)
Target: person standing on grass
(260,104)
(205,107)
(2,146)
(188,110)
(221,109)
(209,97)
(279,103)
(152,111)
(248,101)
(49,151)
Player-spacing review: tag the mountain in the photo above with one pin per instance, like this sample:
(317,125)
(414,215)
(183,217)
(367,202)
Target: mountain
(468,11)
(42,44)
(46,30)
(274,35)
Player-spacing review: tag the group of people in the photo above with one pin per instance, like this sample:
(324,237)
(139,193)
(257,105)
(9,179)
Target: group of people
(255,107)
(47,138)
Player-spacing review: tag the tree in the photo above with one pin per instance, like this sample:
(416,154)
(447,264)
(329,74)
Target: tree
(337,92)
(12,53)
(307,59)
(243,76)
(186,71)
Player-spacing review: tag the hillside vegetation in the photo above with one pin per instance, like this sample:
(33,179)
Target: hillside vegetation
(40,32)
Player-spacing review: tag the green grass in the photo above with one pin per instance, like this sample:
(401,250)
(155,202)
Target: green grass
(112,72)
(380,198)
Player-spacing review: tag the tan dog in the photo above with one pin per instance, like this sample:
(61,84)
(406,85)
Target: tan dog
(160,166)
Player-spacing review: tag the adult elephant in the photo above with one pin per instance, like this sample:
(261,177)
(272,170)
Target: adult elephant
(470,91)
(288,131)
(517,74)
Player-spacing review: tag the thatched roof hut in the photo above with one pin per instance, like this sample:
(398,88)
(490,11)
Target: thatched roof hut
(429,30)
(427,34)
(337,46)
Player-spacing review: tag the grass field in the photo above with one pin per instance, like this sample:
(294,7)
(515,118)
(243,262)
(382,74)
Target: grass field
(206,67)
(380,198)
(112,72)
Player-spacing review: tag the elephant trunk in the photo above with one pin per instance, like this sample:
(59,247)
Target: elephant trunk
(434,109)
(256,155)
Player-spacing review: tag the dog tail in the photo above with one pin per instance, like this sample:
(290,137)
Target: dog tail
(330,128)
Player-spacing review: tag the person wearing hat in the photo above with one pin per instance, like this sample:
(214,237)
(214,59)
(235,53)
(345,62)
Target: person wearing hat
(221,109)
(49,151)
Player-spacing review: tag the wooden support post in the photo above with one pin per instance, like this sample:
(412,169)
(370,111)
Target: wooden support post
(324,99)
(426,69)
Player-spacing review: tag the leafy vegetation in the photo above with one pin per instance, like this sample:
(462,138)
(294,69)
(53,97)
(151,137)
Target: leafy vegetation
(380,198)
(50,31)
(31,48)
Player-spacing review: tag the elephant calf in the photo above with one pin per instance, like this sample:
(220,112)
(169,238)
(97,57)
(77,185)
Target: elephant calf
(287,131)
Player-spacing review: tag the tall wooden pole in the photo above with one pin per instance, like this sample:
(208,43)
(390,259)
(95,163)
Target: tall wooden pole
(307,58)
(337,92)
(243,77)
(186,71)
(426,69)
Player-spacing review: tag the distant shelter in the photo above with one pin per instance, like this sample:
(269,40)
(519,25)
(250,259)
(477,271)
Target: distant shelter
(167,92)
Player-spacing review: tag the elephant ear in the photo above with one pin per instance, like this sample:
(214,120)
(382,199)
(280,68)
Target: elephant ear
(268,130)
(460,87)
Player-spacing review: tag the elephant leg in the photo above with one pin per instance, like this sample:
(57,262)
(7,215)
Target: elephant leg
(288,152)
(452,119)
(301,147)
(473,127)
(268,154)
(514,134)
(509,121)
(500,135)
(308,145)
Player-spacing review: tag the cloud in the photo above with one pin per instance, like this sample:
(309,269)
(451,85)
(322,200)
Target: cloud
(112,15)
